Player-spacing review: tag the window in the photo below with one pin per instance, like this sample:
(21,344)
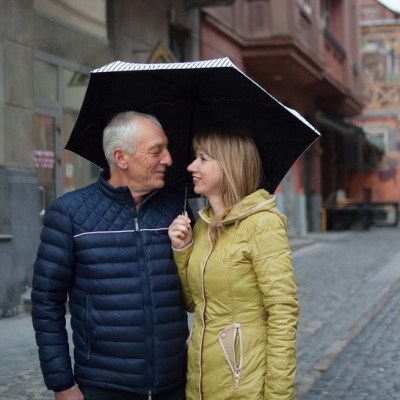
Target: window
(76,171)
(178,41)
(325,14)
(306,7)
(44,148)
(46,81)
(60,87)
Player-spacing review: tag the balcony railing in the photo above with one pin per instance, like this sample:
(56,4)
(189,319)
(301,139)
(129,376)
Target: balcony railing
(335,57)
(208,3)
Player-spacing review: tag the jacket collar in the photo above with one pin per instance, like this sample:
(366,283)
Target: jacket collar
(258,201)
(119,193)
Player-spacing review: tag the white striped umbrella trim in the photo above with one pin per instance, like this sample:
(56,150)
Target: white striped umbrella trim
(117,66)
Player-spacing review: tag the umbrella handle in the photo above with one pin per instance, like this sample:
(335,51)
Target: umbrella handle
(185,200)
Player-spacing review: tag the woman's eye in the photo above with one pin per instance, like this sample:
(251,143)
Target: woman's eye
(203,157)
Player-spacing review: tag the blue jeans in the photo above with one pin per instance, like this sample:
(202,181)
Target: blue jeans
(97,393)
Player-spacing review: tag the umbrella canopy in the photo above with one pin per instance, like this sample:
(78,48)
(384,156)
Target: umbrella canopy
(186,98)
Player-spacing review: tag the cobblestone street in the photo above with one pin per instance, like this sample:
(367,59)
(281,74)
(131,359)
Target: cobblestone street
(370,365)
(348,347)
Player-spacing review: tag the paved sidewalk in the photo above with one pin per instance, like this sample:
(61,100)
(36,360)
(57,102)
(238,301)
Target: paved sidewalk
(348,347)
(20,376)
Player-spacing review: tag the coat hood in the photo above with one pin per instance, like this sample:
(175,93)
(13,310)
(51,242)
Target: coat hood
(258,201)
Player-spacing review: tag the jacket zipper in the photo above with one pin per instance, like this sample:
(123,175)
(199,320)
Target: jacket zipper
(202,316)
(147,301)
(237,368)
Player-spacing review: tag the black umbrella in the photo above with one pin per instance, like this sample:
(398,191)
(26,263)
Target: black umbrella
(187,98)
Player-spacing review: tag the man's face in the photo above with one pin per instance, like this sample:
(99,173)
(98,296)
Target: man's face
(147,166)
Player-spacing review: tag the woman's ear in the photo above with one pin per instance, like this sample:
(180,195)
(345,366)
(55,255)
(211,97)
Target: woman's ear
(120,158)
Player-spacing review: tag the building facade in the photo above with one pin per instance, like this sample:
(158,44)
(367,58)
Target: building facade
(306,54)
(303,52)
(47,49)
(380,52)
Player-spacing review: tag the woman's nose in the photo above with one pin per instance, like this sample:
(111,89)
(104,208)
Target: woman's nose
(190,167)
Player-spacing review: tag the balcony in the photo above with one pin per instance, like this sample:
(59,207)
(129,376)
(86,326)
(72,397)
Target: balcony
(283,49)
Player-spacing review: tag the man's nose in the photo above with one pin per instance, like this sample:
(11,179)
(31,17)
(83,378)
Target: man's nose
(166,158)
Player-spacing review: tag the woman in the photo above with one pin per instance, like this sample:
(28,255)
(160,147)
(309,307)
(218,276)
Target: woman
(237,277)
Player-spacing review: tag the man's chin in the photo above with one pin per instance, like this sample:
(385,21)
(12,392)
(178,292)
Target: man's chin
(159,185)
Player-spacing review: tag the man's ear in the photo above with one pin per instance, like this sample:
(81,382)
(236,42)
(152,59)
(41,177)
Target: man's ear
(120,158)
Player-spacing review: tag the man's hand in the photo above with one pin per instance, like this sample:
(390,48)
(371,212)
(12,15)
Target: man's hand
(72,393)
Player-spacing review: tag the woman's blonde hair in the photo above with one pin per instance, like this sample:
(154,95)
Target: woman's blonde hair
(239,160)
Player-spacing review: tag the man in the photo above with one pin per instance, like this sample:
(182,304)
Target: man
(106,247)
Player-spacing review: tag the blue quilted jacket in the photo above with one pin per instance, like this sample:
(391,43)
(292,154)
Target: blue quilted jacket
(115,264)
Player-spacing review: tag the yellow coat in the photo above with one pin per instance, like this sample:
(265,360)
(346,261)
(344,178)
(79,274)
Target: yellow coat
(244,297)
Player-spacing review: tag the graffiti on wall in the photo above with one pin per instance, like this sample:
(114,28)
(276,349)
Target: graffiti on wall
(380,60)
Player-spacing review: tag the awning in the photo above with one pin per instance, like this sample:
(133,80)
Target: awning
(363,150)
(375,141)
(339,124)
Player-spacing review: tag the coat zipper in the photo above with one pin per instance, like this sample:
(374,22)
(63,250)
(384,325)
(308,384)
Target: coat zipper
(202,315)
(147,300)
(136,224)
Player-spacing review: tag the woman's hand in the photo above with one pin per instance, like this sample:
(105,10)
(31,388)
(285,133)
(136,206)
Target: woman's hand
(180,232)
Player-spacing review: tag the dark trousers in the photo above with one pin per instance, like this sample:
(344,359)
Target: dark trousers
(96,393)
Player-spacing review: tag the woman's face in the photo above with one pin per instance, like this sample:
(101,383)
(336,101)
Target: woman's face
(206,174)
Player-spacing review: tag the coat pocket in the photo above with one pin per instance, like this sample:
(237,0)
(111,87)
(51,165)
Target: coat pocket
(89,325)
(231,341)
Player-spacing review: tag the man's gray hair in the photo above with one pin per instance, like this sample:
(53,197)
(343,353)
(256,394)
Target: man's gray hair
(122,132)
